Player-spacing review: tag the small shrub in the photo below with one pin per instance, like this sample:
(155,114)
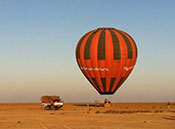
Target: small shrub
(18,121)
(98,111)
(111,111)
(157,111)
(172,111)
(126,112)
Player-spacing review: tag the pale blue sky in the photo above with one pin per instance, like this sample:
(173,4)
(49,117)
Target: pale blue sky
(38,40)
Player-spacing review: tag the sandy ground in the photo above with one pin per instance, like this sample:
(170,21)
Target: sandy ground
(79,116)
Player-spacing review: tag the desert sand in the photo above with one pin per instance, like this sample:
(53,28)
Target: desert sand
(80,116)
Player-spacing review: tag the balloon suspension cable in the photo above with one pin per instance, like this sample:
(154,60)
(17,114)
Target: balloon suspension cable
(107,98)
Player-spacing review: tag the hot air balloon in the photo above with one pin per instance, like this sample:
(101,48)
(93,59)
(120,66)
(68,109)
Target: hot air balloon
(106,57)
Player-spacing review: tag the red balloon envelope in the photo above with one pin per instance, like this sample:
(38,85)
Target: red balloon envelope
(106,56)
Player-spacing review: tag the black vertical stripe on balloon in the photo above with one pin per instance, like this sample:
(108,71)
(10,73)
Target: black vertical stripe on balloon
(116,46)
(112,83)
(101,46)
(79,45)
(88,46)
(97,88)
(128,44)
(96,83)
(119,83)
(103,81)
(134,45)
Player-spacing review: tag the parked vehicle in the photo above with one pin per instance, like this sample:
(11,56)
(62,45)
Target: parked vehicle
(51,102)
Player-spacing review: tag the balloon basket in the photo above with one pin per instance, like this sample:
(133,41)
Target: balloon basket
(107,105)
(107,102)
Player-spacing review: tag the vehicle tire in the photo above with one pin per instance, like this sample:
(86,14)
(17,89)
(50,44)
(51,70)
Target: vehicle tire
(56,107)
(53,107)
(48,107)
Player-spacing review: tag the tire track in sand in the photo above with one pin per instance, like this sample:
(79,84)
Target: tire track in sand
(45,127)
(42,125)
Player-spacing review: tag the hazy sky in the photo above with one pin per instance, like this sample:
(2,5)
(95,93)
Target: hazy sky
(38,40)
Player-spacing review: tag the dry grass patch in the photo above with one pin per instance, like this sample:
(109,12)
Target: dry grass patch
(126,111)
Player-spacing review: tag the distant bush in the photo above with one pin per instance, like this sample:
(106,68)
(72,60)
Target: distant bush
(157,111)
(90,108)
(126,111)
(98,111)
(172,111)
(130,111)
(111,111)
